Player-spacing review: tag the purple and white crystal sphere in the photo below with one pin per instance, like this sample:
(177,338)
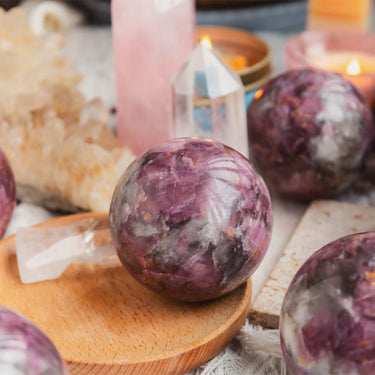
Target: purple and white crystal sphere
(310,133)
(25,349)
(191,219)
(327,321)
(7,193)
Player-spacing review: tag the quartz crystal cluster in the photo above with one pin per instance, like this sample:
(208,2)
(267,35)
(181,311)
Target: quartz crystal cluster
(61,151)
(327,321)
(191,219)
(7,193)
(310,133)
(25,349)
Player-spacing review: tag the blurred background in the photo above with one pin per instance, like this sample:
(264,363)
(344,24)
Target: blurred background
(286,15)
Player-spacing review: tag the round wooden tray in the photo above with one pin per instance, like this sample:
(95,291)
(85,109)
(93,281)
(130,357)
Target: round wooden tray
(104,322)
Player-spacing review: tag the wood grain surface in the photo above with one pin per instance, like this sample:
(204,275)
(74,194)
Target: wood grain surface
(104,322)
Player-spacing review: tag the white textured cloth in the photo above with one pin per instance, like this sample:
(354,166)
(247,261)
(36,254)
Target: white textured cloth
(26,215)
(253,352)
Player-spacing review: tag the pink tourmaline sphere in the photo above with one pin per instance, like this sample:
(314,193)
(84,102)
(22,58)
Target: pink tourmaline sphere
(7,193)
(25,349)
(191,219)
(310,134)
(327,323)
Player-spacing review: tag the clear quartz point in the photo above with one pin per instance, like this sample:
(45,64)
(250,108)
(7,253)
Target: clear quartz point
(209,101)
(44,253)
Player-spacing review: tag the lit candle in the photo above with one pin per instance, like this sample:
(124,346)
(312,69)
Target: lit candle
(235,61)
(354,73)
(357,67)
(243,52)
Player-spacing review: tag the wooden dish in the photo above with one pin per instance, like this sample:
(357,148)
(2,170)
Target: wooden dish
(104,322)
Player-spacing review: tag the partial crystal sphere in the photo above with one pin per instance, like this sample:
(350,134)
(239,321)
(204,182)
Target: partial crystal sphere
(327,323)
(191,219)
(310,133)
(25,349)
(7,193)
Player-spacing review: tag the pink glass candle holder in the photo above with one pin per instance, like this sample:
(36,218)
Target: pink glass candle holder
(350,54)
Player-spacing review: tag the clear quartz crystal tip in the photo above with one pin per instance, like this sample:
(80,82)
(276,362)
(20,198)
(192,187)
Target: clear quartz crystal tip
(209,101)
(44,253)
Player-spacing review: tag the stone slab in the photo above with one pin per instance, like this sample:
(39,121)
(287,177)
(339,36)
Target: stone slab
(286,216)
(323,222)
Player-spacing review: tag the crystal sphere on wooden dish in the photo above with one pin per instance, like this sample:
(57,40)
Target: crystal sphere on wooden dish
(327,323)
(310,133)
(7,192)
(191,219)
(25,349)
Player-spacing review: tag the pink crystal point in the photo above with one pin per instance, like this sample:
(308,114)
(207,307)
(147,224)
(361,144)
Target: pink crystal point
(7,192)
(151,41)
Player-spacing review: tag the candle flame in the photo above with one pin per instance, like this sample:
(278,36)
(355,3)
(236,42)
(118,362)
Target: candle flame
(258,94)
(206,41)
(353,68)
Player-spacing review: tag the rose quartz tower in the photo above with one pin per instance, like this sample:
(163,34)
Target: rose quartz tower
(152,38)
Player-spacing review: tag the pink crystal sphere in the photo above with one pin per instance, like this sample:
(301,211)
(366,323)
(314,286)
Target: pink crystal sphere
(327,323)
(191,219)
(25,349)
(310,133)
(7,193)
